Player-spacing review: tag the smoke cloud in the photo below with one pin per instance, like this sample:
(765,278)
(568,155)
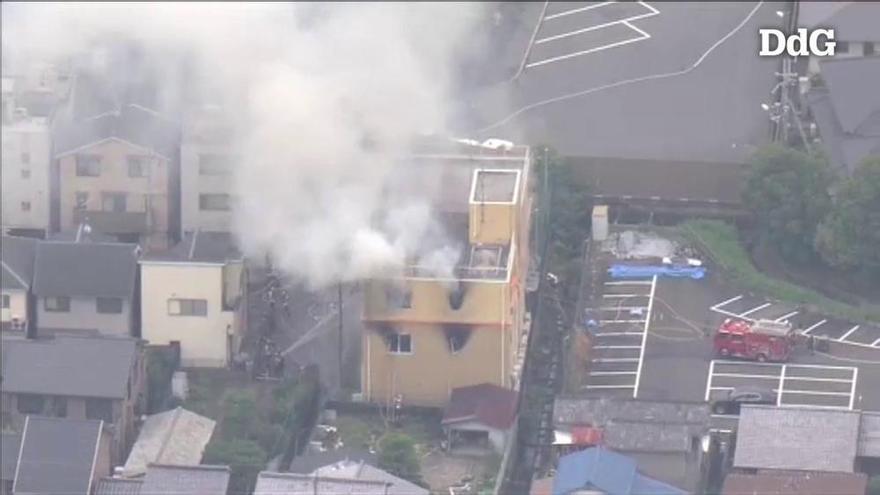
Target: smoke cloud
(326,99)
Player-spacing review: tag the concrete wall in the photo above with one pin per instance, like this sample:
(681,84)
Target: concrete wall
(192,184)
(83,315)
(29,137)
(203,339)
(427,376)
(143,194)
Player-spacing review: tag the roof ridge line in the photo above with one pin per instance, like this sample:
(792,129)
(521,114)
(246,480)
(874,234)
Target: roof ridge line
(16,275)
(167,435)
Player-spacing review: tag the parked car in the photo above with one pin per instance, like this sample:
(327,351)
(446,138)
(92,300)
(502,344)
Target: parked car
(743,395)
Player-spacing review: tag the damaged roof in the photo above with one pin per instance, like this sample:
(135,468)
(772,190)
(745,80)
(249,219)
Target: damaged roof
(486,403)
(175,437)
(200,247)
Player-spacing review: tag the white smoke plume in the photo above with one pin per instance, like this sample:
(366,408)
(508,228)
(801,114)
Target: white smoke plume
(326,99)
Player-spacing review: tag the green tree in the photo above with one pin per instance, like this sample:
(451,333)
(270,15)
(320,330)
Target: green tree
(849,236)
(397,455)
(245,459)
(787,190)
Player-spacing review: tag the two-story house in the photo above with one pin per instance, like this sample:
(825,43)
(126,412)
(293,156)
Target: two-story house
(195,295)
(117,172)
(206,168)
(26,156)
(16,301)
(430,331)
(96,378)
(86,287)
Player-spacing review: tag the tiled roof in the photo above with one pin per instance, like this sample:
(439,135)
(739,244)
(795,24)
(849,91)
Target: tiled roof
(606,471)
(132,123)
(488,404)
(177,437)
(795,483)
(9,446)
(17,261)
(185,480)
(88,269)
(119,486)
(200,247)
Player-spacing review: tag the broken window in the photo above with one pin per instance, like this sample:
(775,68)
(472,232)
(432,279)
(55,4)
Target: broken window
(399,343)
(456,295)
(398,297)
(88,165)
(457,337)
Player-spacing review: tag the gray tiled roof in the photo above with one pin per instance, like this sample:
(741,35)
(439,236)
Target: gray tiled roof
(853,86)
(598,410)
(132,123)
(9,446)
(17,254)
(269,483)
(788,438)
(201,247)
(85,269)
(364,472)
(869,435)
(855,22)
(185,480)
(119,486)
(69,366)
(310,461)
(176,437)
(57,456)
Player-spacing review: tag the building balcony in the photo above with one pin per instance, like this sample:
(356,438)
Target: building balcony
(113,222)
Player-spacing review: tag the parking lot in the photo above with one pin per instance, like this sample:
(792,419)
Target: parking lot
(752,308)
(619,338)
(824,386)
(575,29)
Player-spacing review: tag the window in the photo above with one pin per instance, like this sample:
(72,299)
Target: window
(869,48)
(5,299)
(187,307)
(400,343)
(109,305)
(114,202)
(217,202)
(31,403)
(25,157)
(25,173)
(137,166)
(842,47)
(212,164)
(25,206)
(99,409)
(82,200)
(88,165)
(57,304)
(58,407)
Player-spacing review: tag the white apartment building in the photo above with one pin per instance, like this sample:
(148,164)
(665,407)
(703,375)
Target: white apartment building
(25,167)
(206,167)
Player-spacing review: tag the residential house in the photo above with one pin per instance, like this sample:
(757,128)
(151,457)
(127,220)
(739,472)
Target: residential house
(195,295)
(207,160)
(10,445)
(598,470)
(664,438)
(177,437)
(854,24)
(26,160)
(78,378)
(785,439)
(86,287)
(795,483)
(444,324)
(61,456)
(846,111)
(311,460)
(341,477)
(117,172)
(161,479)
(17,308)
(480,415)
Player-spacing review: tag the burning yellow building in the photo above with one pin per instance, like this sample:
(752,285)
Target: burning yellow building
(426,333)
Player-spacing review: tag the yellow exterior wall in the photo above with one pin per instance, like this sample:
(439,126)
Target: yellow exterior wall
(427,376)
(483,303)
(491,223)
(203,339)
(17,305)
(140,191)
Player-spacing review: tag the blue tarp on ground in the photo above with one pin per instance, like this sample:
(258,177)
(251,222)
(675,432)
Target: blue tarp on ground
(642,271)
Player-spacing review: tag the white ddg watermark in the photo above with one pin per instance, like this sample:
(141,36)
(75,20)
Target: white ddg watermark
(774,42)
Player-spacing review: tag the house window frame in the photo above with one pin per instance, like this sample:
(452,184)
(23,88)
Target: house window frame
(187,307)
(394,343)
(5,301)
(204,206)
(58,406)
(138,164)
(88,165)
(99,402)
(114,198)
(80,205)
(215,170)
(60,308)
(30,410)
(106,300)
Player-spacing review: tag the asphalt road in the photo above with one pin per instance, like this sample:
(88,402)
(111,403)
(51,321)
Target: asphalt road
(709,114)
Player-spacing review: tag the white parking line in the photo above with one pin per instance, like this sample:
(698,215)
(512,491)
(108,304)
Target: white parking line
(755,309)
(622,321)
(615,347)
(847,334)
(813,327)
(786,317)
(612,373)
(584,52)
(624,295)
(607,386)
(575,11)
(615,360)
(876,343)
(725,303)
(815,392)
(628,282)
(622,308)
(616,334)
(577,31)
(644,337)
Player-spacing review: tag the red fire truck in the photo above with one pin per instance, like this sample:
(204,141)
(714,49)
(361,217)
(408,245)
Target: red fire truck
(762,340)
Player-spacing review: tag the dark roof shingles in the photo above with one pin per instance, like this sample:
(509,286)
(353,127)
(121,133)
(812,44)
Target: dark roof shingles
(18,261)
(85,269)
(488,404)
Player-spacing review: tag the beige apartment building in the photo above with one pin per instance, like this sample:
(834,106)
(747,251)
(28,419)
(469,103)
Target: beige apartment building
(426,334)
(117,174)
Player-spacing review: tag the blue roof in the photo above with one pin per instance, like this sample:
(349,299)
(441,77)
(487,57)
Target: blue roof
(612,473)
